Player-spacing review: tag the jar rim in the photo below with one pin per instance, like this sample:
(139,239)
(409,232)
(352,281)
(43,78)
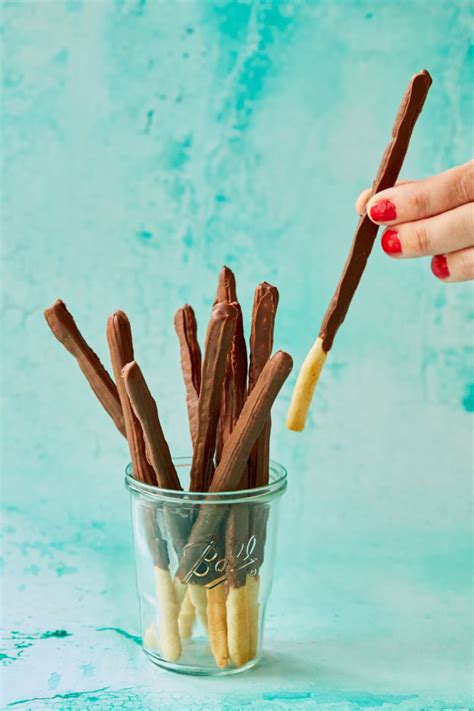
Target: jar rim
(276,487)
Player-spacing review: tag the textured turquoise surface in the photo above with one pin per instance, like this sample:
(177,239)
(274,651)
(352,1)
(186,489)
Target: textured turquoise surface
(146,144)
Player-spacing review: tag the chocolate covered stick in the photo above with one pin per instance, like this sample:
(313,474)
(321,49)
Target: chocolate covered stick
(265,305)
(236,527)
(119,337)
(363,242)
(236,453)
(65,330)
(235,381)
(145,409)
(186,329)
(261,344)
(235,456)
(156,447)
(218,340)
(250,423)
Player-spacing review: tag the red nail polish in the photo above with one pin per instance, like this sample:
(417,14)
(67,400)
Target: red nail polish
(439,266)
(383,211)
(391,243)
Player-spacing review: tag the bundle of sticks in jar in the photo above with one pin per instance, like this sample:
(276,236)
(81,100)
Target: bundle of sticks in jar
(229,398)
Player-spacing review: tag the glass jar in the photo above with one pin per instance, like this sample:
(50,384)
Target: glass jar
(204,571)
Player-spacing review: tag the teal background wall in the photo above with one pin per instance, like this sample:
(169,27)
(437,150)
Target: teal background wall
(145,144)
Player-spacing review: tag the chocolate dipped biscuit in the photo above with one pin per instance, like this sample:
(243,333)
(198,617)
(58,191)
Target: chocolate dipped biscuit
(218,341)
(186,329)
(359,253)
(65,330)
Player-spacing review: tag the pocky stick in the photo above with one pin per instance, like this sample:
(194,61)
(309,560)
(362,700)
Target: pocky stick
(119,337)
(65,330)
(218,341)
(186,329)
(361,248)
(235,454)
(265,305)
(144,407)
(236,526)
(157,450)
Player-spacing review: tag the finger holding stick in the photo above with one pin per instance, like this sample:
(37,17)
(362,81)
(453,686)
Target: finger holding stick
(432,217)
(361,248)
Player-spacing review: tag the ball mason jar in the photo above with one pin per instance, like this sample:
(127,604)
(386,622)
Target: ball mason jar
(204,567)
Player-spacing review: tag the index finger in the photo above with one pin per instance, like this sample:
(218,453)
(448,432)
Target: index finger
(366,194)
(423,198)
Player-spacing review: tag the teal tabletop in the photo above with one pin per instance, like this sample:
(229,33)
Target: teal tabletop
(146,144)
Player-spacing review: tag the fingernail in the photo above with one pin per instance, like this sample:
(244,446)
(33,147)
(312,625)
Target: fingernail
(439,266)
(391,243)
(383,211)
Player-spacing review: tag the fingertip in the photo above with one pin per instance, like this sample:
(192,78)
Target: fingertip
(362,200)
(439,267)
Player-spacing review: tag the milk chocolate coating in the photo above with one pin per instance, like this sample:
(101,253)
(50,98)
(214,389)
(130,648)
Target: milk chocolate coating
(119,337)
(144,407)
(204,533)
(233,398)
(261,344)
(177,522)
(235,455)
(235,381)
(156,543)
(251,422)
(236,538)
(65,330)
(218,341)
(186,329)
(366,233)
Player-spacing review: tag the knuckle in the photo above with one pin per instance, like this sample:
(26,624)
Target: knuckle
(470,219)
(421,202)
(421,238)
(465,183)
(466,263)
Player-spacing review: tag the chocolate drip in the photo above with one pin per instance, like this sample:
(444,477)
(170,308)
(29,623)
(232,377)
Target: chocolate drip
(366,232)
(65,330)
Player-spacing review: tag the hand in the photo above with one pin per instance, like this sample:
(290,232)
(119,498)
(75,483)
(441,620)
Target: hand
(429,217)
